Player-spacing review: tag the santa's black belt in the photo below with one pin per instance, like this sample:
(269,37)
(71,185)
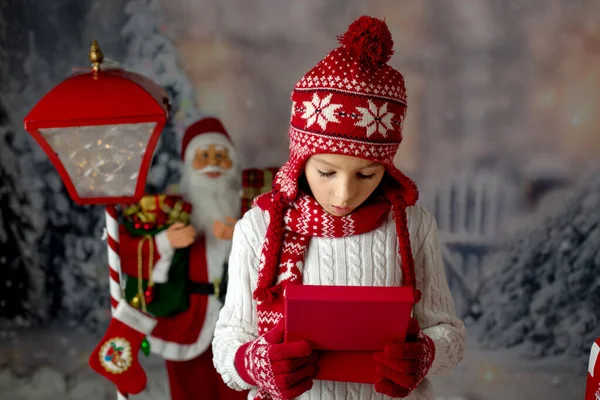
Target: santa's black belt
(205,288)
(216,288)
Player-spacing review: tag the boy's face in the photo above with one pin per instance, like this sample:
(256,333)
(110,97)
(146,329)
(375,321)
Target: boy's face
(340,183)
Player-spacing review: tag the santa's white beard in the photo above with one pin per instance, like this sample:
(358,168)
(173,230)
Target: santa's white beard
(212,199)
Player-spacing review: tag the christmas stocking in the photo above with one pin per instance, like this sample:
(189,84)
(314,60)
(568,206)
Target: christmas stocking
(116,357)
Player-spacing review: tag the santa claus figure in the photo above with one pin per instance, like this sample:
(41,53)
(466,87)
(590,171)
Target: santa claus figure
(211,183)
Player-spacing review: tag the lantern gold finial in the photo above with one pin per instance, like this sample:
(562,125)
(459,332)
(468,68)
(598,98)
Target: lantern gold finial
(95,56)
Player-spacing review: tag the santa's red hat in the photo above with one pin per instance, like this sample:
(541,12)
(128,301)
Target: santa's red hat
(203,133)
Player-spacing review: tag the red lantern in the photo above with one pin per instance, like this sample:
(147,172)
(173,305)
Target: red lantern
(100,129)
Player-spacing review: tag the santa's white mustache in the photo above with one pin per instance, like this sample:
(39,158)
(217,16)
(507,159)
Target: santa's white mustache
(212,168)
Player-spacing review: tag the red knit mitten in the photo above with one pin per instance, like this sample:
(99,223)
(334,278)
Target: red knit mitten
(116,357)
(283,370)
(403,365)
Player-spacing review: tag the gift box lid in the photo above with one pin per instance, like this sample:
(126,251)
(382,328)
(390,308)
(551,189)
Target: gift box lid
(354,318)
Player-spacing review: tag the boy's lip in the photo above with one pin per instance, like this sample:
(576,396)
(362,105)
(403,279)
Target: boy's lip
(340,209)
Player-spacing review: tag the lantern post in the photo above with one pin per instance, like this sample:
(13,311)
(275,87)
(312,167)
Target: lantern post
(99,128)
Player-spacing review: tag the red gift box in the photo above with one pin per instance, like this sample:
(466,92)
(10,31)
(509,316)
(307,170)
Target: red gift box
(346,325)
(592,391)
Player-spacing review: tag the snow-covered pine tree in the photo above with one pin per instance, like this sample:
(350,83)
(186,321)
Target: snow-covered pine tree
(14,277)
(17,219)
(49,226)
(152,54)
(23,258)
(543,293)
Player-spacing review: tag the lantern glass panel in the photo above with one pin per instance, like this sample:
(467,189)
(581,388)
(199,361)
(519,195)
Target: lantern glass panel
(103,160)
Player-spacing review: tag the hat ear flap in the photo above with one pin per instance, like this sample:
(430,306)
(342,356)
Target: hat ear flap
(271,251)
(404,247)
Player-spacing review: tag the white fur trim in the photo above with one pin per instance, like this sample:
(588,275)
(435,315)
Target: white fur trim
(160,271)
(205,139)
(134,319)
(181,352)
(593,358)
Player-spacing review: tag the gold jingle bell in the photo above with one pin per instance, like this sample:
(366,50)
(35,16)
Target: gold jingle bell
(135,302)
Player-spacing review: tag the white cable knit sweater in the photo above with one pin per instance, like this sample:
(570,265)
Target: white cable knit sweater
(369,259)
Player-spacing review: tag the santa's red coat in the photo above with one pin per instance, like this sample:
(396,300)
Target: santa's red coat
(188,334)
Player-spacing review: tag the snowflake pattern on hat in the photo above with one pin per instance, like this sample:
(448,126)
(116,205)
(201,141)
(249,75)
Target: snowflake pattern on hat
(320,111)
(376,119)
(351,103)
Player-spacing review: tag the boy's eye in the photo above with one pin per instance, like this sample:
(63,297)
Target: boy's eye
(325,174)
(364,176)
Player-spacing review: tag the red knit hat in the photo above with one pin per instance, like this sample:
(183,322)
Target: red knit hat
(202,133)
(351,103)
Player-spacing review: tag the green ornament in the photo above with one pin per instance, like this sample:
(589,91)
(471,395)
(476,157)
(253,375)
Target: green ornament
(146,347)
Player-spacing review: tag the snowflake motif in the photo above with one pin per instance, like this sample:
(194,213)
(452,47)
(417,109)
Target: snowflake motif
(320,111)
(375,119)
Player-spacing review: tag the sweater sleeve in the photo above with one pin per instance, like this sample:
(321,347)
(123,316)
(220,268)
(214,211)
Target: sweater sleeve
(435,312)
(237,323)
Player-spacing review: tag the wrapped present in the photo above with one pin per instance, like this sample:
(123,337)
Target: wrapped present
(592,391)
(255,181)
(157,211)
(141,222)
